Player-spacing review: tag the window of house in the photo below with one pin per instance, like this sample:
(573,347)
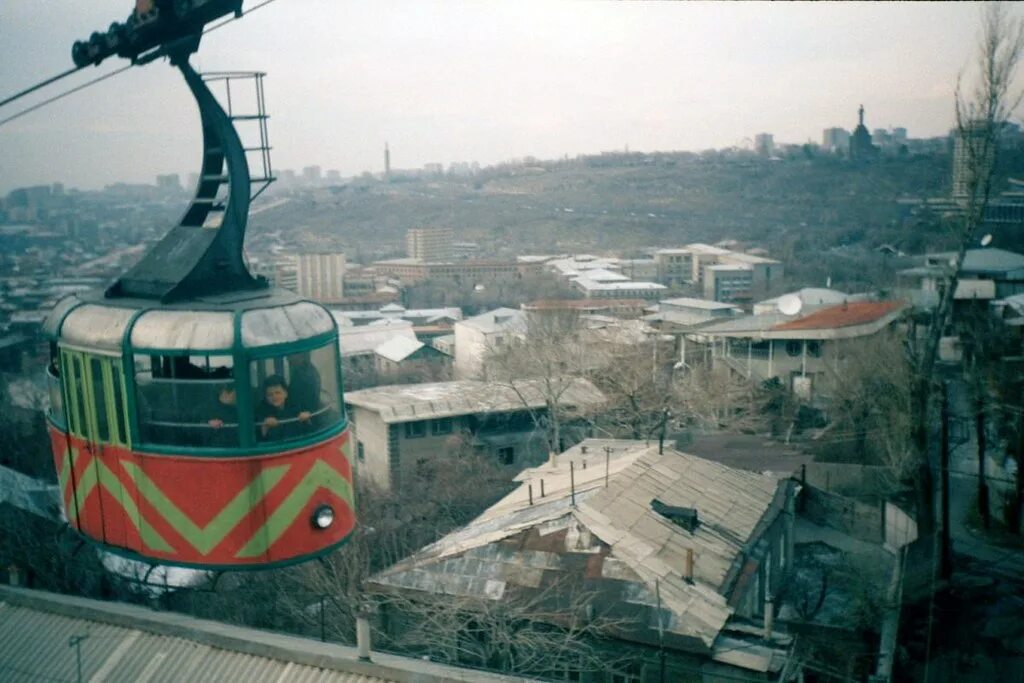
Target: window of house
(793,348)
(442,425)
(507,455)
(360,451)
(814,349)
(415,430)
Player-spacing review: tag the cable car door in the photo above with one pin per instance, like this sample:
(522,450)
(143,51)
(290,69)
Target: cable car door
(97,420)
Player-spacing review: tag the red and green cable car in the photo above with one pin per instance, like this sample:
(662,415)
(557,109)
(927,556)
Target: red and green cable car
(196,413)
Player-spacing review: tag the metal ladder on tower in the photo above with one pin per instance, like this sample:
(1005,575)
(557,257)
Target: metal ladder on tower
(256,143)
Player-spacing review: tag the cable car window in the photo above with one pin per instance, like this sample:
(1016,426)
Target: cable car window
(187,400)
(296,395)
(76,399)
(54,392)
(99,398)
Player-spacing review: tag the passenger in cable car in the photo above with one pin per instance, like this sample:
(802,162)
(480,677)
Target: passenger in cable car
(278,416)
(224,418)
(305,382)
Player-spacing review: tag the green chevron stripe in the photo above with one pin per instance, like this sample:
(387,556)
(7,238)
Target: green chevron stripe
(100,474)
(83,487)
(205,539)
(149,535)
(320,475)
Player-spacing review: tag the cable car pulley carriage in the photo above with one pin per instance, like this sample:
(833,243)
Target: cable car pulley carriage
(196,415)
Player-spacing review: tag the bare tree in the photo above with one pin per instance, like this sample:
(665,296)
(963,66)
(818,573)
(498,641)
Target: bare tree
(546,362)
(870,407)
(982,110)
(558,628)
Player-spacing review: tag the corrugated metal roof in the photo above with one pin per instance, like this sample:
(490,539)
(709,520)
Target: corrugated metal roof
(733,505)
(129,643)
(405,402)
(844,315)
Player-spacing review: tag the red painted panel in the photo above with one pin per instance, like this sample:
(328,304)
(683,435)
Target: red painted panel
(199,511)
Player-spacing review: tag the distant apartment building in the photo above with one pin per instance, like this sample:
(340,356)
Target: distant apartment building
(719,274)
(412,271)
(311,175)
(969,146)
(431,245)
(170,181)
(320,277)
(286,272)
(764,144)
(835,139)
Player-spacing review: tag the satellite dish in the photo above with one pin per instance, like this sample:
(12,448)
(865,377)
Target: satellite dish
(986,240)
(790,304)
(479,288)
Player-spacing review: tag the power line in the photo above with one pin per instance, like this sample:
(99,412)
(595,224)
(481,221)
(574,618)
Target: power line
(41,84)
(95,81)
(64,94)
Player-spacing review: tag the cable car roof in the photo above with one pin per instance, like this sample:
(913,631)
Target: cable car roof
(262,319)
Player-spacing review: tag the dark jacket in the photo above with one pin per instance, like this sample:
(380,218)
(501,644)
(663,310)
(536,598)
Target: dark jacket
(287,415)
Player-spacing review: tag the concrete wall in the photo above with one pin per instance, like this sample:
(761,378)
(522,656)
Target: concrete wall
(849,479)
(470,348)
(371,433)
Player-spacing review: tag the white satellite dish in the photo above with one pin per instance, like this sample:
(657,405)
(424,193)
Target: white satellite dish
(986,240)
(479,288)
(790,304)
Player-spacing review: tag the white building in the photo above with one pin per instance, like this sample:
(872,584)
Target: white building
(320,277)
(475,337)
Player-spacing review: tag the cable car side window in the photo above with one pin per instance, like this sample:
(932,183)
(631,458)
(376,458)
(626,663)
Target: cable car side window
(186,400)
(296,394)
(53,388)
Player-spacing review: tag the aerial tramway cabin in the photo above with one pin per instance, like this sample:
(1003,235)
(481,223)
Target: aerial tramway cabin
(196,413)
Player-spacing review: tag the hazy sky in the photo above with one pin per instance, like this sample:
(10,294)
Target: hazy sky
(487,81)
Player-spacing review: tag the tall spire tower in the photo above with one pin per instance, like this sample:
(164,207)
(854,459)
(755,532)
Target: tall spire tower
(387,161)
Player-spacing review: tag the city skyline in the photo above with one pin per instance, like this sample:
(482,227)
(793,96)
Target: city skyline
(574,79)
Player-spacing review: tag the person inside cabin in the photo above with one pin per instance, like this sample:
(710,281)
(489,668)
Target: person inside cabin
(278,417)
(305,382)
(223,420)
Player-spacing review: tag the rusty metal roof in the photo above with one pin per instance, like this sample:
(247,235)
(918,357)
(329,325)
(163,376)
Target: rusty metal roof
(527,540)
(844,315)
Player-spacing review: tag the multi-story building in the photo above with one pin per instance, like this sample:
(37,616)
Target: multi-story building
(320,277)
(764,144)
(431,245)
(835,139)
(973,155)
(311,175)
(412,271)
(719,274)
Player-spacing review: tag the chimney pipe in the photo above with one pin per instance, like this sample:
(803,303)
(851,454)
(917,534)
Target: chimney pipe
(363,637)
(769,616)
(689,565)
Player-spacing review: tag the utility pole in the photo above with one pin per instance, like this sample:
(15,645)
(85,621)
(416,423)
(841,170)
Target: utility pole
(945,543)
(979,427)
(76,642)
